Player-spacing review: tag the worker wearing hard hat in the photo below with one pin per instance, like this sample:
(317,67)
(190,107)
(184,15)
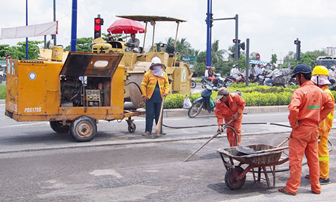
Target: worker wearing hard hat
(320,78)
(155,88)
(309,105)
(230,106)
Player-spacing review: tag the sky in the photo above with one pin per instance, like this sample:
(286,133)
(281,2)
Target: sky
(271,26)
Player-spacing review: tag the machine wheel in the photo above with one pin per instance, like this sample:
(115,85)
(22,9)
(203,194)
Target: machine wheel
(193,84)
(231,178)
(83,129)
(58,127)
(131,127)
(195,109)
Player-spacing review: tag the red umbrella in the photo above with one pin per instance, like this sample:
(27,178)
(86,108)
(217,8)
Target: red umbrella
(126,26)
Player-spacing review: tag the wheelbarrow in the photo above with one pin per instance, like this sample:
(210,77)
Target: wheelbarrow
(263,157)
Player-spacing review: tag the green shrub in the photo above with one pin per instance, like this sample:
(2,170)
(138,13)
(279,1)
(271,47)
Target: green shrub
(2,91)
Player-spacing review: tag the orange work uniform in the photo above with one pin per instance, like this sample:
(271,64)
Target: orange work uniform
(309,105)
(226,112)
(324,129)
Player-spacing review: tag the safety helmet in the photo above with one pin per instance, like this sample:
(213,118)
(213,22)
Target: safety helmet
(301,69)
(320,70)
(156,60)
(234,65)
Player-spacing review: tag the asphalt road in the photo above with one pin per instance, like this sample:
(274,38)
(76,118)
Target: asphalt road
(40,165)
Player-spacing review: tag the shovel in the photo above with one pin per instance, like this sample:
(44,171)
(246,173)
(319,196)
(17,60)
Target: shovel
(218,133)
(248,150)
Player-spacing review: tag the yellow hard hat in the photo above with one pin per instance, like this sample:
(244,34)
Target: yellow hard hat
(320,70)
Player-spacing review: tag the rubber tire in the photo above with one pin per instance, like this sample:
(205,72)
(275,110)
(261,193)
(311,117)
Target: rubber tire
(83,129)
(220,84)
(230,178)
(197,106)
(131,128)
(58,127)
(227,83)
(193,84)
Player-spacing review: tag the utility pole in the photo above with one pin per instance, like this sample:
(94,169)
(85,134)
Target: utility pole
(209,33)
(74,26)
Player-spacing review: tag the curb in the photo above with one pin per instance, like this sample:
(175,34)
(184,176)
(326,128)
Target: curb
(247,110)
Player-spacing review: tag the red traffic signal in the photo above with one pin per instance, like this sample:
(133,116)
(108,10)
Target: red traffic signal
(296,41)
(234,40)
(98,22)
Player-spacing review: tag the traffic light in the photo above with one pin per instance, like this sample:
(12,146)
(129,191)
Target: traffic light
(98,22)
(240,46)
(211,19)
(234,40)
(297,42)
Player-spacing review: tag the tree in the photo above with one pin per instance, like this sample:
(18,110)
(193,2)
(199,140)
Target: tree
(83,45)
(33,50)
(274,59)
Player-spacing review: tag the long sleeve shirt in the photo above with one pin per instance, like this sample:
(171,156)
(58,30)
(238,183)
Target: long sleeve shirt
(309,106)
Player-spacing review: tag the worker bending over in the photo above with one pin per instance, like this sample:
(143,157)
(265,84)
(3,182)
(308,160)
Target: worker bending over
(230,106)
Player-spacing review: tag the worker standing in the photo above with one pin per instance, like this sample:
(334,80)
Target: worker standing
(309,106)
(155,88)
(320,78)
(230,106)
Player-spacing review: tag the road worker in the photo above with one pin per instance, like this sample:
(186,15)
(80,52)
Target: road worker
(320,78)
(155,88)
(309,106)
(230,106)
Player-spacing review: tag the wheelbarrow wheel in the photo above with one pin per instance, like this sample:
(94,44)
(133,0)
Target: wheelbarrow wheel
(231,178)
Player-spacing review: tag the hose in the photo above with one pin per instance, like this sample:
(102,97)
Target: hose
(132,82)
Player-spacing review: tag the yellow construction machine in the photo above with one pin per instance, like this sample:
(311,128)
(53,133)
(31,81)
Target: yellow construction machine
(72,95)
(138,62)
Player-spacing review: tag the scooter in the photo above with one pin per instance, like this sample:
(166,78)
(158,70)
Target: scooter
(218,83)
(204,102)
(229,80)
(193,83)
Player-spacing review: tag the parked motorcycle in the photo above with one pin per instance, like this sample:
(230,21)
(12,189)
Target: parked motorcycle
(229,80)
(204,102)
(218,83)
(193,83)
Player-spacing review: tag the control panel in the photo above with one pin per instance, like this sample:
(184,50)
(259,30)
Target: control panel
(93,98)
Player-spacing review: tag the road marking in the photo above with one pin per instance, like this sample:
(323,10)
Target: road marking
(29,124)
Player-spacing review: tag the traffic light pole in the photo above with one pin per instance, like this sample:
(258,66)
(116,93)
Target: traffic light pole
(236,34)
(247,61)
(209,32)
(74,26)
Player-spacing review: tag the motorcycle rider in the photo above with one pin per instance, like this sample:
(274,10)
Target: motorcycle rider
(235,73)
(270,78)
(230,106)
(210,74)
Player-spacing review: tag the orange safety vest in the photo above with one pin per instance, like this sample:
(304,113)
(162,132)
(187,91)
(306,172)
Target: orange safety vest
(149,82)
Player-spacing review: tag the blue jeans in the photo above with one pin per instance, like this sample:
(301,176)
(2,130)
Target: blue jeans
(268,81)
(153,106)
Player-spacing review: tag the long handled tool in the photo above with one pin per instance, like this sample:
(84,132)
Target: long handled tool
(159,124)
(248,150)
(218,133)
